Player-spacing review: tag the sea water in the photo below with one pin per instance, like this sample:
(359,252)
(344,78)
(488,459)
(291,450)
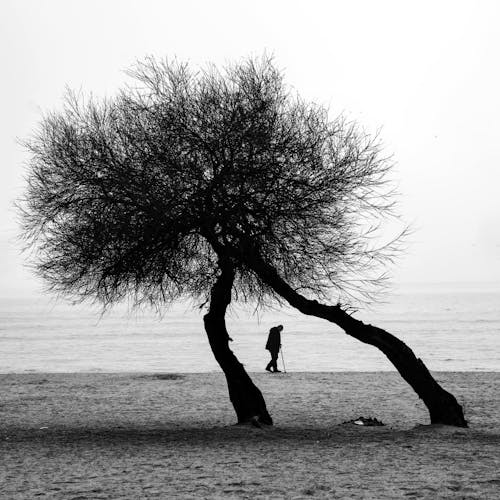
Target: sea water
(450,327)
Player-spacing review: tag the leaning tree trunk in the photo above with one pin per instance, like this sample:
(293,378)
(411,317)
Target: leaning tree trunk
(245,396)
(443,406)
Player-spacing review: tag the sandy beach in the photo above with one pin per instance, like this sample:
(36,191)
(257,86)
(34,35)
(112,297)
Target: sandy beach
(93,436)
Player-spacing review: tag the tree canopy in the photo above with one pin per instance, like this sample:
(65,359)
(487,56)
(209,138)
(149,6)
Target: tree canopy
(134,194)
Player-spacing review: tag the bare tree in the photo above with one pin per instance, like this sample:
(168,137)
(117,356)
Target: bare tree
(213,185)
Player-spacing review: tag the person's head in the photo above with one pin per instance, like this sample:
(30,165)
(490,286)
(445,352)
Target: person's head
(280,327)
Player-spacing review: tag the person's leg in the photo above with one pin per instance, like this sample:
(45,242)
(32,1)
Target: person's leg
(270,364)
(275,362)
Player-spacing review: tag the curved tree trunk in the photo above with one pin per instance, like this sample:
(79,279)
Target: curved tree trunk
(245,396)
(443,406)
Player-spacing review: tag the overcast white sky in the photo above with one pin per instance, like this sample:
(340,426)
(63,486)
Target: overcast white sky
(427,72)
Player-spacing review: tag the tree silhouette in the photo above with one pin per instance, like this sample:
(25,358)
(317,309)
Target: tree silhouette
(216,185)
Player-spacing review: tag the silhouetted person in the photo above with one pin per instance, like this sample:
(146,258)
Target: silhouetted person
(273,345)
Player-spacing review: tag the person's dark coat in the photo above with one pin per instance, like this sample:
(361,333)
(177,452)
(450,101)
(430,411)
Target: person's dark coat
(274,340)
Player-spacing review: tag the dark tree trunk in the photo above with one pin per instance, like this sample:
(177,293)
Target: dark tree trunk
(443,406)
(245,396)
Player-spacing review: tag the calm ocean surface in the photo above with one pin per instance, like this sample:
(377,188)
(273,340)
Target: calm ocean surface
(451,327)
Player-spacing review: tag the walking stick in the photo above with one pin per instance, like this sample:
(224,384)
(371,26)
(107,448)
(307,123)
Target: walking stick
(283,360)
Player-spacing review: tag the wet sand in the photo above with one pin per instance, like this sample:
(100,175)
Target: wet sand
(92,436)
